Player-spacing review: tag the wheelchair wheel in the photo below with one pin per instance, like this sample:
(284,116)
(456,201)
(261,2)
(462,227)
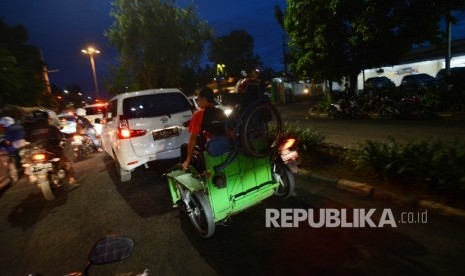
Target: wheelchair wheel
(260,130)
(201,215)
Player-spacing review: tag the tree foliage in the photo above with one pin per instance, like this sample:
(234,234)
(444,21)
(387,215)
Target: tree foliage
(235,51)
(155,40)
(332,39)
(21,70)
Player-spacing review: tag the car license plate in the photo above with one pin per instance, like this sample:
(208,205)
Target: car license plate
(41,167)
(165,133)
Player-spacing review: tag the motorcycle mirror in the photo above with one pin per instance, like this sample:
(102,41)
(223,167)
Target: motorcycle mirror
(110,249)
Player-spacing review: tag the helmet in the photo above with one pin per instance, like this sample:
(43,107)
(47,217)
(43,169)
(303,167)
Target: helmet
(80,112)
(7,121)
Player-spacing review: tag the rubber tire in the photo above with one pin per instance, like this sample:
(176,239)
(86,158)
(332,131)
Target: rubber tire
(285,189)
(333,112)
(46,190)
(385,114)
(123,177)
(199,200)
(244,132)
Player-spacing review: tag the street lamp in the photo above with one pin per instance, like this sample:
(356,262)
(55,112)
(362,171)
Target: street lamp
(91,52)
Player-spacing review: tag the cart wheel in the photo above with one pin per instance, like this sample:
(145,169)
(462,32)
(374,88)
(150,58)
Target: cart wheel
(283,175)
(201,215)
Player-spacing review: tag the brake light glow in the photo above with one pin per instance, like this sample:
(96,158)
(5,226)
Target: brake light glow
(124,132)
(288,144)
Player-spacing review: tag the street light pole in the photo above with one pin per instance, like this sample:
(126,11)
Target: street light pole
(91,51)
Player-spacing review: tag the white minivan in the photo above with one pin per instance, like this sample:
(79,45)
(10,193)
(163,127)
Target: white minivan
(145,126)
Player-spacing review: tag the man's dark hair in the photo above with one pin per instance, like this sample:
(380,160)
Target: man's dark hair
(208,94)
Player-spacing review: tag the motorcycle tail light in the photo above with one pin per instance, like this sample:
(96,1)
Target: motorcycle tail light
(288,144)
(38,157)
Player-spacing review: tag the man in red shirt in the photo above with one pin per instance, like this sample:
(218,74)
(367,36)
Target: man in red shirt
(201,123)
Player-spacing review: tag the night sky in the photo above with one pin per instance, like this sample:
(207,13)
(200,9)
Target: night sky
(61,28)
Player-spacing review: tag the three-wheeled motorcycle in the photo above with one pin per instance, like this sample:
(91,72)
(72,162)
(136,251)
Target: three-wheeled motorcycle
(259,163)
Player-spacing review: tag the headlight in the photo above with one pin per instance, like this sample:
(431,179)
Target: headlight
(228,111)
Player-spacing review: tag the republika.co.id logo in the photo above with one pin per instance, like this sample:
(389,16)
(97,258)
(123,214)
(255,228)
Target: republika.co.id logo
(346,218)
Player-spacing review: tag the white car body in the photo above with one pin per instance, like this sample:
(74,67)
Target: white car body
(136,120)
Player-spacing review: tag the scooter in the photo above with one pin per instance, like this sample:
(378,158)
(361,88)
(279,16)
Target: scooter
(346,109)
(259,165)
(81,143)
(406,108)
(43,169)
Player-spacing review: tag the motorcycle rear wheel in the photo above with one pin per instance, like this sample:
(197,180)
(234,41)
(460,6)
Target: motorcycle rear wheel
(46,190)
(285,177)
(201,215)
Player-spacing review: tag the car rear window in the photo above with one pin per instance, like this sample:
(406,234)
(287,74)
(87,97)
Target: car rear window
(155,105)
(95,110)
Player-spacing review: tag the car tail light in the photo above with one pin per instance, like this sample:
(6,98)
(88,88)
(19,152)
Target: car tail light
(124,132)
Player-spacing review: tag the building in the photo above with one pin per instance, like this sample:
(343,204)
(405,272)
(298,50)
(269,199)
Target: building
(427,60)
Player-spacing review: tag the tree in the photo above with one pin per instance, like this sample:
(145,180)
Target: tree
(235,51)
(332,39)
(155,41)
(21,71)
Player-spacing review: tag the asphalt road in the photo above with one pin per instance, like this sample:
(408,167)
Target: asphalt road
(54,237)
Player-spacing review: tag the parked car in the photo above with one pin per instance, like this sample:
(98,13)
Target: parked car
(418,83)
(227,109)
(457,77)
(145,126)
(378,85)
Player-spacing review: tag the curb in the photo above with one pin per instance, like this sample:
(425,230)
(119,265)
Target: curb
(368,191)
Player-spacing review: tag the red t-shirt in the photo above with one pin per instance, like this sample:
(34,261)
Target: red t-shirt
(195,126)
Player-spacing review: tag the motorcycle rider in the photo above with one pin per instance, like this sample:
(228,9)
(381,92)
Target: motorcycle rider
(14,137)
(40,127)
(83,122)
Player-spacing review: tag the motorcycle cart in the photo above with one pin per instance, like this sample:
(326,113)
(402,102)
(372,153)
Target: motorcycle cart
(256,166)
